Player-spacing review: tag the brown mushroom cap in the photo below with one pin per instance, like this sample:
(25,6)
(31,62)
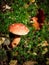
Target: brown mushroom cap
(18,29)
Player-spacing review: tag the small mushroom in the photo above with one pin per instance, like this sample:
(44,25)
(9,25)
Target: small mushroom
(38,20)
(17,29)
(35,23)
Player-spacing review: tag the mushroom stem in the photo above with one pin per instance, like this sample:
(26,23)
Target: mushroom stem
(15,41)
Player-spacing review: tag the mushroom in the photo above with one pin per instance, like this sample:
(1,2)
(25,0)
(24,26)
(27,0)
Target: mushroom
(38,21)
(35,23)
(17,29)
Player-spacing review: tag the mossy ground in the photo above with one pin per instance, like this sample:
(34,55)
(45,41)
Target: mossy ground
(31,45)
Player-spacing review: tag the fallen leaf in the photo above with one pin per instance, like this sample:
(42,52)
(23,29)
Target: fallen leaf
(32,1)
(2,39)
(13,62)
(45,51)
(29,63)
(6,7)
(41,17)
(26,5)
(43,44)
